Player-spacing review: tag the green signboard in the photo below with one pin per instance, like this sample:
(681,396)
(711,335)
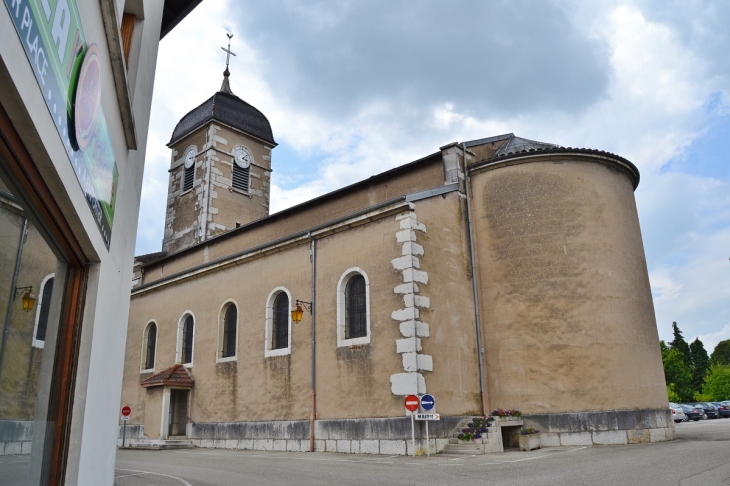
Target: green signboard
(69,74)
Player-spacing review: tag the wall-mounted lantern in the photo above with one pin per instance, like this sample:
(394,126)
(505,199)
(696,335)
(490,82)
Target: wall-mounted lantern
(28,298)
(298,310)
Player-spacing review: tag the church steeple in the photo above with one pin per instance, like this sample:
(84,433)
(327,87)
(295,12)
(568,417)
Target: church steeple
(226,87)
(220,168)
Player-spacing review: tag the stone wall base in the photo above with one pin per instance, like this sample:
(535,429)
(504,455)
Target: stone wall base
(390,447)
(391,436)
(609,427)
(16,437)
(134,432)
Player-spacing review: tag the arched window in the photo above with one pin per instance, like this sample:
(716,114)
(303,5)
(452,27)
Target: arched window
(185,338)
(227,332)
(353,308)
(42,308)
(281,322)
(187,344)
(278,323)
(149,347)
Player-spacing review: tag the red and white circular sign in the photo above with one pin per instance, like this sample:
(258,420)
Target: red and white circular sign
(412,403)
(126,411)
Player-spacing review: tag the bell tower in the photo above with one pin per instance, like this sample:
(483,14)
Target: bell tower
(220,168)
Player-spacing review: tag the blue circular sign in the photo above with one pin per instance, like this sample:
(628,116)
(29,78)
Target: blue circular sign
(428,402)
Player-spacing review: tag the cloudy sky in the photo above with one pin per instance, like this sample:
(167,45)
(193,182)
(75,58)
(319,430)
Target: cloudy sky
(353,88)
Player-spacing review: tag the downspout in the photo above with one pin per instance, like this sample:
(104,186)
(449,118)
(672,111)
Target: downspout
(13,286)
(475,292)
(313,416)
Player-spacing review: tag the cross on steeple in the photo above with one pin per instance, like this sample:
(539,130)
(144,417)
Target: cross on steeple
(226,87)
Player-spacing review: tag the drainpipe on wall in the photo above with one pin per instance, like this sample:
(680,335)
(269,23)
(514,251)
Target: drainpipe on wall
(313,416)
(6,330)
(475,291)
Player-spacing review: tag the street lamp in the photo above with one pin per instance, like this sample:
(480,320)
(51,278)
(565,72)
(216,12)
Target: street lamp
(298,310)
(28,298)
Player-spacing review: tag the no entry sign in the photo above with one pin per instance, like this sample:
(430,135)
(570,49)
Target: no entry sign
(126,411)
(412,403)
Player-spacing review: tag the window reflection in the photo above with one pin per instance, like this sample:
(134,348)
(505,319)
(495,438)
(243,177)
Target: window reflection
(25,362)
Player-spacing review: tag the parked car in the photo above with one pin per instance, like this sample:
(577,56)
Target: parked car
(678,414)
(709,409)
(724,410)
(692,412)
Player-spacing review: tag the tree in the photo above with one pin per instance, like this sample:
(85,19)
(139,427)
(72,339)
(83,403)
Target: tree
(680,344)
(678,375)
(721,354)
(663,347)
(717,383)
(700,363)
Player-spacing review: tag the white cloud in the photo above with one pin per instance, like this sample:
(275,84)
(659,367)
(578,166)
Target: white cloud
(710,340)
(354,102)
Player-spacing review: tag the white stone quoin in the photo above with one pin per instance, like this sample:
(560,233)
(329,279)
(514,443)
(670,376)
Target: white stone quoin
(412,381)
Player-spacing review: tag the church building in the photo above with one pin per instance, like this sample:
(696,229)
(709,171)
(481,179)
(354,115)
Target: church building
(492,273)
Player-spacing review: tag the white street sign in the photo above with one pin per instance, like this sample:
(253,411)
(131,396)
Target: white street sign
(428,416)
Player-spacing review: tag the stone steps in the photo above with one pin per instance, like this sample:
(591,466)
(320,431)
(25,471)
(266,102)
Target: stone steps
(468,448)
(161,444)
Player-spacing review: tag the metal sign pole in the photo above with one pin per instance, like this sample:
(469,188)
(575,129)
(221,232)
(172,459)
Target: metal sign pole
(124,433)
(413,434)
(428,442)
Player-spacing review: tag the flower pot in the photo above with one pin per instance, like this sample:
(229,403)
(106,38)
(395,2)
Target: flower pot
(500,420)
(529,442)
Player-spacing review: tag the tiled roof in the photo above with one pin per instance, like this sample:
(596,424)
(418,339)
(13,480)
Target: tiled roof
(175,375)
(556,149)
(229,109)
(519,144)
(150,257)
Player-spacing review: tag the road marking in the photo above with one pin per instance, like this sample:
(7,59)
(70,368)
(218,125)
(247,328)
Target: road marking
(278,455)
(542,456)
(156,474)
(128,475)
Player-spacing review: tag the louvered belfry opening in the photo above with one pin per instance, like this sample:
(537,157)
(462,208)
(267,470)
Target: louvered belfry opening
(189,178)
(241,178)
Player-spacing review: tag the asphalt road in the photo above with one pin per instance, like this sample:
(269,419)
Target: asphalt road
(700,456)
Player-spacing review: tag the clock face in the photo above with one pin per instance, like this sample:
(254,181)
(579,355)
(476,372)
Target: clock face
(242,157)
(189,158)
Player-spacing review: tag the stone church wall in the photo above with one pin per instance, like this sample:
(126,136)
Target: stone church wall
(452,340)
(568,317)
(353,381)
(413,179)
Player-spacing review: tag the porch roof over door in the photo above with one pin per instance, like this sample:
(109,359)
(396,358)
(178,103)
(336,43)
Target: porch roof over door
(176,375)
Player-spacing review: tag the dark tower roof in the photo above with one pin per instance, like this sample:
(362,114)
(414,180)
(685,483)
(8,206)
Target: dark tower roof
(229,109)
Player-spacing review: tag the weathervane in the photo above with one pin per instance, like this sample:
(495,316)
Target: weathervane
(226,87)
